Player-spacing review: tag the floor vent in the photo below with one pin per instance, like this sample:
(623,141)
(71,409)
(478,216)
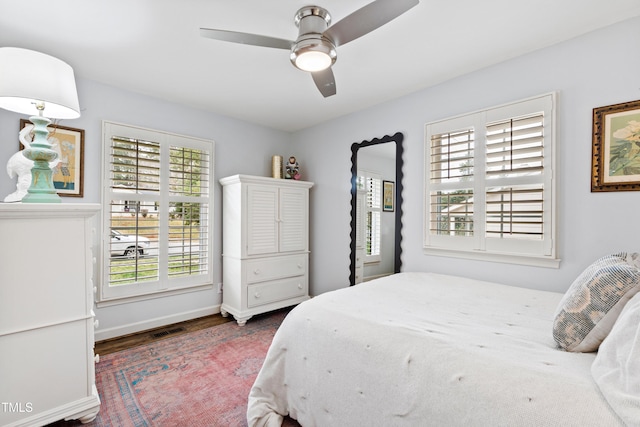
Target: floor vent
(166,332)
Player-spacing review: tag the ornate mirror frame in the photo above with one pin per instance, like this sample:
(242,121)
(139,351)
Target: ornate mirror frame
(397,139)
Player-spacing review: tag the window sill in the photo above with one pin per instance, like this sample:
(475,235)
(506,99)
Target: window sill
(535,261)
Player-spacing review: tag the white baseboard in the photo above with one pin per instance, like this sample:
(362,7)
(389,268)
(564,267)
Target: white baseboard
(132,328)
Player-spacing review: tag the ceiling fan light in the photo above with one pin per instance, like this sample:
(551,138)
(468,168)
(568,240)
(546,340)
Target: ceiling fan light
(313,55)
(313,61)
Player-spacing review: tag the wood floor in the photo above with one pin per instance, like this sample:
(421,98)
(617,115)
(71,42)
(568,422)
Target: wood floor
(140,338)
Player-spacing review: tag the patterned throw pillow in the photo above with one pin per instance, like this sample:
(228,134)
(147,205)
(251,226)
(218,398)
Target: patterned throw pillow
(594,301)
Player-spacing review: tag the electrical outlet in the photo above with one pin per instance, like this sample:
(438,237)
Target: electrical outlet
(219,288)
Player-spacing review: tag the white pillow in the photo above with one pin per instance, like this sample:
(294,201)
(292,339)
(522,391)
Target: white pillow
(616,368)
(594,301)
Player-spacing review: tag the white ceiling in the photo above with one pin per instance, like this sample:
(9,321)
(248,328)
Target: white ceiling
(153,47)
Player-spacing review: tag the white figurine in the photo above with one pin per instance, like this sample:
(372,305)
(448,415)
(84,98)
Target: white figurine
(18,165)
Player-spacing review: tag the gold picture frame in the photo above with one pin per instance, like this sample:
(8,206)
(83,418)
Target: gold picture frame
(615,164)
(68,174)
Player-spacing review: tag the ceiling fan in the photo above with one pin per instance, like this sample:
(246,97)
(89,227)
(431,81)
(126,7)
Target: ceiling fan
(315,48)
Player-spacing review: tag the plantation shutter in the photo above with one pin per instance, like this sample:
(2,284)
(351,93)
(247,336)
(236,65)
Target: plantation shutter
(189,177)
(514,147)
(519,178)
(373,227)
(135,186)
(489,182)
(157,212)
(515,151)
(451,174)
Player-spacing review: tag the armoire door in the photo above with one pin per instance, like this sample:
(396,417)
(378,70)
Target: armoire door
(293,220)
(262,219)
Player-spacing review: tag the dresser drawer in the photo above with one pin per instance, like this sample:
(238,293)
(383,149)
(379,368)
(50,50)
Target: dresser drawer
(279,290)
(262,270)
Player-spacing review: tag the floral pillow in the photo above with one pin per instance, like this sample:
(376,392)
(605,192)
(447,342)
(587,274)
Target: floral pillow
(594,301)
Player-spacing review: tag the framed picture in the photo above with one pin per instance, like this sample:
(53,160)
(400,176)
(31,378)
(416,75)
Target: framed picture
(68,168)
(388,196)
(615,164)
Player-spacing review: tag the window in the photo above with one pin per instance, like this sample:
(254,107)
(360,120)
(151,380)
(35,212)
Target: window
(157,206)
(371,183)
(489,188)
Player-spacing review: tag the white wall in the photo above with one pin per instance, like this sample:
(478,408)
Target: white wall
(597,69)
(233,138)
(600,68)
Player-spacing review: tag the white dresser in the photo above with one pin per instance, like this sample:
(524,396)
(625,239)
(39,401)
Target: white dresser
(47,368)
(265,244)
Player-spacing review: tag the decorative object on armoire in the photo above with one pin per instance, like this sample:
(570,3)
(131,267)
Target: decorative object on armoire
(292,169)
(31,82)
(276,166)
(615,164)
(265,244)
(46,313)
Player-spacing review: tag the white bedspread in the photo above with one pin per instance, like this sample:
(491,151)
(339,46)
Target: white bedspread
(419,349)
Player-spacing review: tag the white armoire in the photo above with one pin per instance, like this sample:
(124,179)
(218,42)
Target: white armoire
(265,244)
(47,368)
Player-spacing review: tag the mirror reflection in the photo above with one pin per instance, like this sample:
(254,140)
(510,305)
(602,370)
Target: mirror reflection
(376,188)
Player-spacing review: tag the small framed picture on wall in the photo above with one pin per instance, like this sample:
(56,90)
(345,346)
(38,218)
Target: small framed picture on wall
(388,196)
(615,162)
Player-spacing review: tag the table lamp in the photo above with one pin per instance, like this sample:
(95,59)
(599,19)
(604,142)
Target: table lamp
(37,84)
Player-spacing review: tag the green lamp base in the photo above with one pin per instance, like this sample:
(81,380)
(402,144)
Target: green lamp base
(42,189)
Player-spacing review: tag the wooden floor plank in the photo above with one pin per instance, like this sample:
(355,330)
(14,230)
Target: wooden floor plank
(140,338)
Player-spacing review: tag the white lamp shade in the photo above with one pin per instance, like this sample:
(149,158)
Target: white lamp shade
(27,77)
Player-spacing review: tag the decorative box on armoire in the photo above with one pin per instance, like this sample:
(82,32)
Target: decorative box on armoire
(265,244)
(47,370)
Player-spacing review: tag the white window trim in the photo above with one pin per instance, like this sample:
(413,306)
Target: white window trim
(106,298)
(464,247)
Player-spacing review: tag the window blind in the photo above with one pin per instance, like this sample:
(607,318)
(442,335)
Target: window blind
(489,187)
(515,212)
(158,189)
(514,147)
(452,156)
(374,208)
(452,213)
(135,165)
(451,165)
(189,179)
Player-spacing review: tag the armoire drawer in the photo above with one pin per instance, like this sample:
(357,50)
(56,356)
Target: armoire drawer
(264,269)
(278,290)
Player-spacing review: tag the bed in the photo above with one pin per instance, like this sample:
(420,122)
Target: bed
(427,349)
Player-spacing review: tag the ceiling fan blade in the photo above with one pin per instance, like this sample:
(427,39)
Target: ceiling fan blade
(367,19)
(246,38)
(325,82)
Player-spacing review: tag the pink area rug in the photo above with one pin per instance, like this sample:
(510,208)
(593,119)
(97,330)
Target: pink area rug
(197,379)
